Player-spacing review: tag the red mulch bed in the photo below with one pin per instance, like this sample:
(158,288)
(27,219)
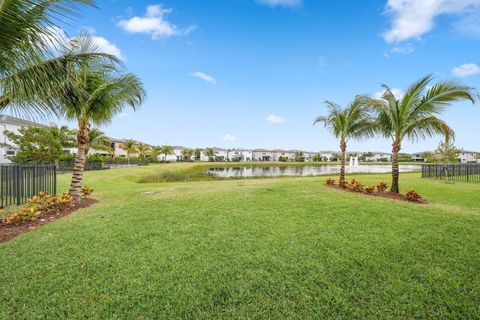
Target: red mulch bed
(388,195)
(8,232)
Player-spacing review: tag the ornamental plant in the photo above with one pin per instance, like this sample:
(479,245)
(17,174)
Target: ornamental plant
(356,185)
(413,196)
(370,188)
(382,186)
(331,182)
(86,191)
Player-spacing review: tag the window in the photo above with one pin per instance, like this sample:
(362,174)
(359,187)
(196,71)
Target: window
(10,152)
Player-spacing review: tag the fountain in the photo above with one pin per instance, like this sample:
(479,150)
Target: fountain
(356,162)
(351,162)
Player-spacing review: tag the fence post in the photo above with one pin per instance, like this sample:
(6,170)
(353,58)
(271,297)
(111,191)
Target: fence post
(54,179)
(17,184)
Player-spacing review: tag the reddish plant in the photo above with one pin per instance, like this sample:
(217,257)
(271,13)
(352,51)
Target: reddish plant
(331,182)
(382,186)
(413,196)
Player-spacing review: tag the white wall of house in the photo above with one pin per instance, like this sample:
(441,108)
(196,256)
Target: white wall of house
(379,156)
(328,155)
(468,157)
(12,124)
(262,155)
(419,157)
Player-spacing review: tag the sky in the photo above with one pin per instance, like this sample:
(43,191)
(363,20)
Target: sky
(255,73)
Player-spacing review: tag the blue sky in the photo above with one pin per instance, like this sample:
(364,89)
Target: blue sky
(255,73)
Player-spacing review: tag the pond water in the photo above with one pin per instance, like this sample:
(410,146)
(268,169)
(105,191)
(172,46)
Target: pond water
(302,171)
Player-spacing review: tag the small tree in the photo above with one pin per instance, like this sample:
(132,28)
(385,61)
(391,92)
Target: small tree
(187,154)
(34,144)
(299,156)
(198,154)
(130,147)
(167,150)
(317,157)
(155,152)
(446,153)
(143,150)
(209,153)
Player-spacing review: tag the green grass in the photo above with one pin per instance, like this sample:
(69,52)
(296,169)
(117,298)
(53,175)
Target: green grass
(260,248)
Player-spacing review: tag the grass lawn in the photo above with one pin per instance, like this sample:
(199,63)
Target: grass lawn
(260,248)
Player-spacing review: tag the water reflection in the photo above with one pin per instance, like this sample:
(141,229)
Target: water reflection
(275,171)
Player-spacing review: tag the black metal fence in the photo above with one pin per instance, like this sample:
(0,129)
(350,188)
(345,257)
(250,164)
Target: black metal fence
(19,182)
(68,165)
(469,172)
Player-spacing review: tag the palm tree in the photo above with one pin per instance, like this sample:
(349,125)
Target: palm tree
(209,153)
(415,115)
(188,153)
(143,149)
(155,152)
(64,136)
(97,141)
(167,150)
(94,95)
(346,123)
(130,147)
(29,69)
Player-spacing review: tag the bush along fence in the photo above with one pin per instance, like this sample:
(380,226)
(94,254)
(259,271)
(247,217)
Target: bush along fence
(469,172)
(19,182)
(68,165)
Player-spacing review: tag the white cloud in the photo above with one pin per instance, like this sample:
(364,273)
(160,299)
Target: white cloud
(398,93)
(57,38)
(414,18)
(153,23)
(275,119)
(106,46)
(204,77)
(465,70)
(280,3)
(123,114)
(229,137)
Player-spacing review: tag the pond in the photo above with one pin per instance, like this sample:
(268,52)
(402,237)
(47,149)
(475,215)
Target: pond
(303,171)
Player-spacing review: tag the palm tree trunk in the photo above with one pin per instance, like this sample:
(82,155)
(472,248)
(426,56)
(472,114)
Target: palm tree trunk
(343,147)
(77,177)
(395,172)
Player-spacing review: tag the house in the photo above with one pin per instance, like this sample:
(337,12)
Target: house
(420,156)
(379,156)
(12,124)
(328,155)
(262,155)
(468,156)
(219,154)
(239,155)
(279,155)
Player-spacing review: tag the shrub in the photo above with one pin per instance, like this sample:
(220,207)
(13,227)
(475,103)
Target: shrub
(331,182)
(37,205)
(86,191)
(412,195)
(370,188)
(382,186)
(64,200)
(356,186)
(24,215)
(41,201)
